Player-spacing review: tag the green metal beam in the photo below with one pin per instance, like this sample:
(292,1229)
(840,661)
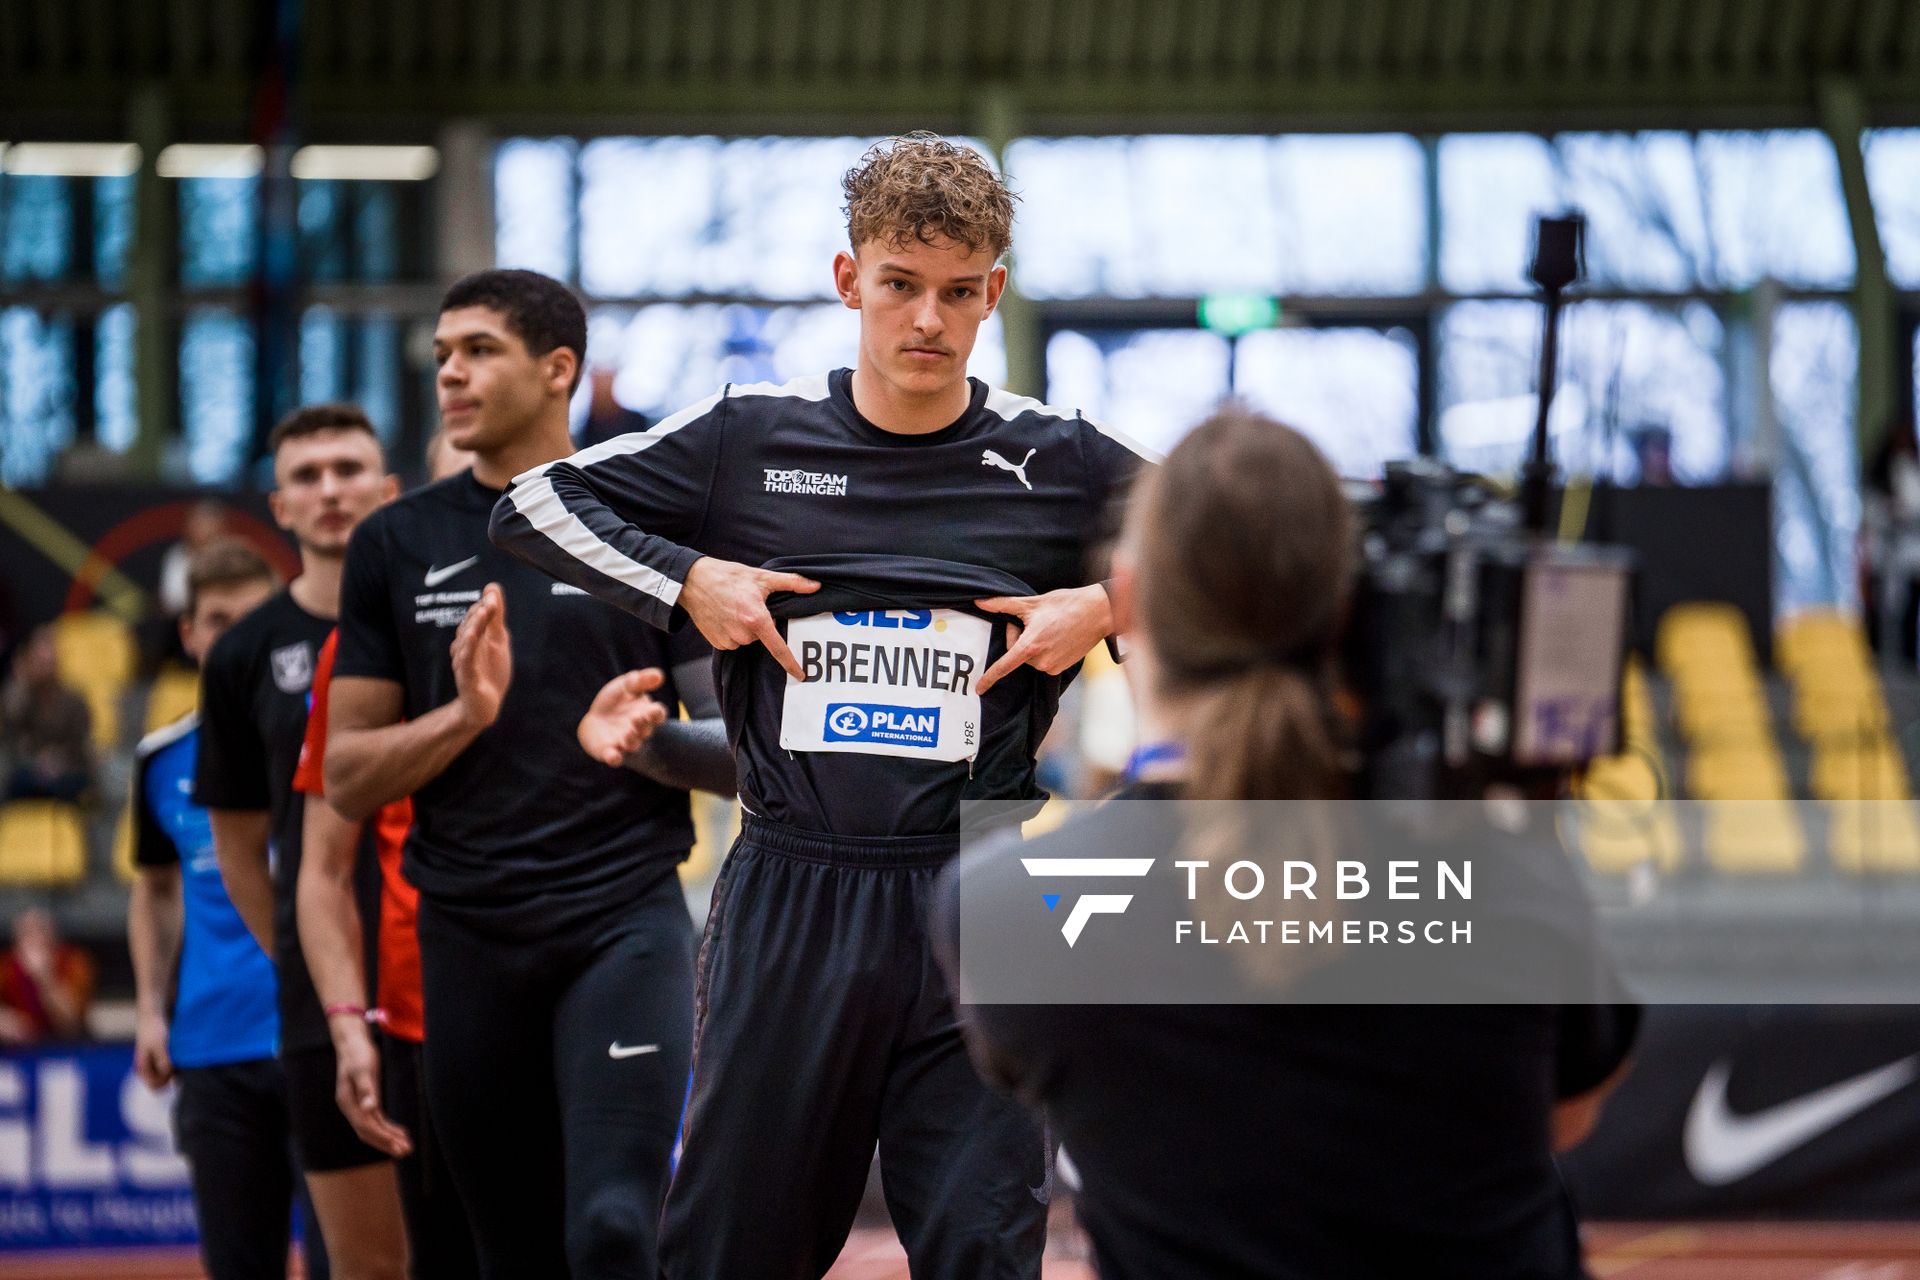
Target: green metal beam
(378,109)
(150,278)
(999,124)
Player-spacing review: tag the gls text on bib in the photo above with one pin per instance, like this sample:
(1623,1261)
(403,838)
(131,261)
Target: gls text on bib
(887,682)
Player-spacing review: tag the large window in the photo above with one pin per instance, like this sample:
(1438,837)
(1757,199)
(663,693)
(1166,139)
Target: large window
(36,393)
(674,217)
(1153,384)
(533,205)
(1666,212)
(1179,216)
(1639,384)
(216,393)
(67,228)
(1353,391)
(1815,354)
(1893,175)
(355,358)
(668,355)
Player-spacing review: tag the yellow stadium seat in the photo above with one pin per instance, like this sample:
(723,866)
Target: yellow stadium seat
(1740,773)
(1636,706)
(1731,718)
(97,654)
(1724,680)
(175,693)
(103,708)
(1631,775)
(1874,837)
(1624,820)
(123,846)
(1839,720)
(1817,637)
(95,647)
(1871,770)
(42,843)
(1754,837)
(1618,835)
(1689,632)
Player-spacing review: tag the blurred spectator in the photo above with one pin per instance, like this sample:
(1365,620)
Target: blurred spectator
(46,985)
(606,417)
(9,628)
(1889,542)
(1653,451)
(206,522)
(205,525)
(46,732)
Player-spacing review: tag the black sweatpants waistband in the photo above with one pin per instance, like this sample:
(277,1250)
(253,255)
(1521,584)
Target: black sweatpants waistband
(851,851)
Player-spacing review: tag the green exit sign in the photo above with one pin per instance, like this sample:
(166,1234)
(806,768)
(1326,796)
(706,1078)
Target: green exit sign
(1235,313)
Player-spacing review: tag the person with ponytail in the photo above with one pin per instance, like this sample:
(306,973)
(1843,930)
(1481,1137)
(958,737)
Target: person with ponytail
(1277,1139)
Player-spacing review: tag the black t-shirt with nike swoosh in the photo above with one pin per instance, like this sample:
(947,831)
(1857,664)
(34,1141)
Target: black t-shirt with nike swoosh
(523,815)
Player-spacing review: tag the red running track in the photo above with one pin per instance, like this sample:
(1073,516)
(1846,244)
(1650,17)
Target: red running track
(1616,1251)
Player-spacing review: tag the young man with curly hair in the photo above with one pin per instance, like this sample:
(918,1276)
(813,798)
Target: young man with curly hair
(853,543)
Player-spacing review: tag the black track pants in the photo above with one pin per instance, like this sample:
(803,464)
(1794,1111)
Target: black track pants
(825,1027)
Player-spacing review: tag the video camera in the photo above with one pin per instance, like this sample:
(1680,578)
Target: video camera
(1480,648)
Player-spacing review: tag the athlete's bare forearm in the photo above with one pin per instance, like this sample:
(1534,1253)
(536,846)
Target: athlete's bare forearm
(328,914)
(240,847)
(374,757)
(153,936)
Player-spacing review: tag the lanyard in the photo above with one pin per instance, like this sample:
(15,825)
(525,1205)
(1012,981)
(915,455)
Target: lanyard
(1148,754)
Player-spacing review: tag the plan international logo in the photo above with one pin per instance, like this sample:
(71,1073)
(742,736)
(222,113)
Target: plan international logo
(821,483)
(1087,905)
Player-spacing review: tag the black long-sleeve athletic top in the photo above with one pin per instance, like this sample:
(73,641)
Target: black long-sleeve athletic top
(886,735)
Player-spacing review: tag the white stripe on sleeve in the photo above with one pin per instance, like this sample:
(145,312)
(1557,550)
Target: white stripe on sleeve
(534,498)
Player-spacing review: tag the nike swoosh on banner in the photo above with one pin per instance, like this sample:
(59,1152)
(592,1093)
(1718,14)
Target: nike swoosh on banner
(618,1050)
(1722,1148)
(437,576)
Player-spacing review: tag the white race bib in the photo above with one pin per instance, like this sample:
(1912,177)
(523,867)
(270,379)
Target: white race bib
(889,682)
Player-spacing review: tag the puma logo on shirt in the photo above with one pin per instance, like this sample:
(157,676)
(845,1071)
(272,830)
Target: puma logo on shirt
(989,458)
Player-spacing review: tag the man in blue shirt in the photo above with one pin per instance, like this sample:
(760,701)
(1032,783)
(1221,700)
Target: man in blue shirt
(205,991)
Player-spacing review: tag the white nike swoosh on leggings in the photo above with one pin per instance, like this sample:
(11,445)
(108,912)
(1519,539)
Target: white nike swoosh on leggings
(1722,1148)
(618,1050)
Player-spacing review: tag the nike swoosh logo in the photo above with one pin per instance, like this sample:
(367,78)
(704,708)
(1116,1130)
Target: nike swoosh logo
(1722,1148)
(617,1050)
(437,576)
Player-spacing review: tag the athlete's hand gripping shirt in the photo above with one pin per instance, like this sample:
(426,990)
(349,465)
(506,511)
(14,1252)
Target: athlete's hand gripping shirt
(784,476)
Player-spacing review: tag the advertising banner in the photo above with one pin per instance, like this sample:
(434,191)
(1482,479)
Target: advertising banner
(86,1154)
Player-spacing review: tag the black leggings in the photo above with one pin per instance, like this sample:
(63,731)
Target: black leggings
(556,1069)
(230,1122)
